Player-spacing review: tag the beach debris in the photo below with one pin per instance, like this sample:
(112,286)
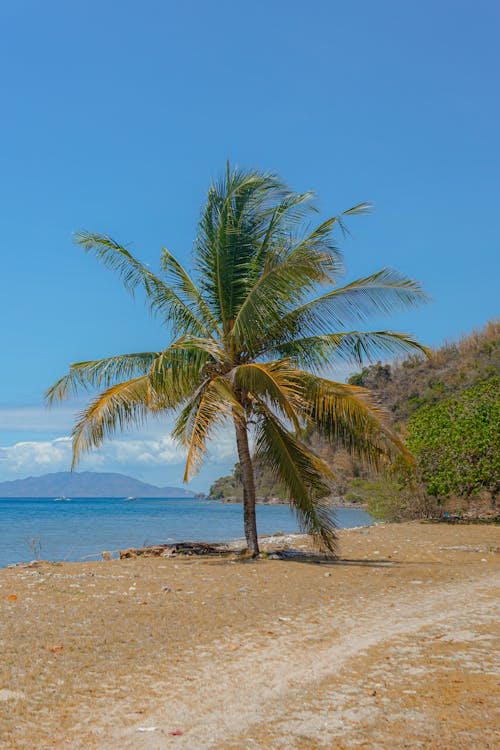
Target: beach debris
(56,648)
(12,597)
(176,733)
(167,589)
(146,729)
(177,548)
(327,575)
(244,588)
(285,619)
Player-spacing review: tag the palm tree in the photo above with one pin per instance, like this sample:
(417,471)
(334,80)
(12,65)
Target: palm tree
(252,341)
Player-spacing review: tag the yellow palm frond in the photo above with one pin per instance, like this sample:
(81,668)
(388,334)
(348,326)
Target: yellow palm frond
(300,472)
(350,416)
(120,406)
(275,382)
(212,404)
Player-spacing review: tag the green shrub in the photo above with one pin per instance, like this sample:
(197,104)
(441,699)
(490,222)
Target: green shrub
(456,442)
(395,496)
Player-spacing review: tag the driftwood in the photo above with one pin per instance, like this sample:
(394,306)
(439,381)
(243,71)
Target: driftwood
(177,548)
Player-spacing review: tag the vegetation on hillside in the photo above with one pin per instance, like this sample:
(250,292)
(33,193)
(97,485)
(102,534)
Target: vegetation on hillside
(447,408)
(231,487)
(456,442)
(404,387)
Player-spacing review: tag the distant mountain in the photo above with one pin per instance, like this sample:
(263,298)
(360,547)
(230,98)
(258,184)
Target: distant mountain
(86,484)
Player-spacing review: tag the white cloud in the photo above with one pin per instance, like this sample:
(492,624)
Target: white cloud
(137,456)
(35,457)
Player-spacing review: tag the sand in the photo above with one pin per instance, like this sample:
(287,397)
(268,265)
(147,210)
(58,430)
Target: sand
(394,646)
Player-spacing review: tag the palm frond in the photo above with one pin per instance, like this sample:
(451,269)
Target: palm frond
(186,289)
(295,263)
(162,299)
(274,382)
(287,277)
(99,373)
(349,416)
(208,409)
(229,234)
(327,350)
(181,368)
(380,293)
(360,209)
(301,473)
(293,209)
(120,406)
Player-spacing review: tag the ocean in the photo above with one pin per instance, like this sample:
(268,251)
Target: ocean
(40,527)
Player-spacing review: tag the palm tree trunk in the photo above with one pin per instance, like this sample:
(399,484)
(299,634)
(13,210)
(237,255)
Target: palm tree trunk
(248,480)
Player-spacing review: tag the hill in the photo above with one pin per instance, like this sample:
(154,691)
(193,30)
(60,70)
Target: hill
(404,387)
(86,484)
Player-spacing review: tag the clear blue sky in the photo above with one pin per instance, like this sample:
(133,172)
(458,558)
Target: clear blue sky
(116,115)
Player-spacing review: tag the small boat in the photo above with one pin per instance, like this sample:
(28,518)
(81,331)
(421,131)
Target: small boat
(128,499)
(62,499)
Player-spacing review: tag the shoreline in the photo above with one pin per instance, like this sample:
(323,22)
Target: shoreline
(272,653)
(335,501)
(237,546)
(75,533)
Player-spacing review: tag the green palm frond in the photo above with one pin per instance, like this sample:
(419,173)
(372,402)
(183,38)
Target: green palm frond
(187,290)
(327,350)
(294,208)
(301,473)
(380,293)
(360,209)
(162,300)
(229,235)
(205,346)
(288,275)
(99,373)
(186,364)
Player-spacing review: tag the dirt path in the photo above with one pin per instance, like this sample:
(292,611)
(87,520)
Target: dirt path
(303,689)
(393,647)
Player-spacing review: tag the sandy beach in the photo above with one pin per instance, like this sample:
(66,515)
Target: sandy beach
(392,646)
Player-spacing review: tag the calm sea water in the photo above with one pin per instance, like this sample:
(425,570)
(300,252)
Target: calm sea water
(72,530)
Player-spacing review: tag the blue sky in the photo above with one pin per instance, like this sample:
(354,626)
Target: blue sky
(116,116)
